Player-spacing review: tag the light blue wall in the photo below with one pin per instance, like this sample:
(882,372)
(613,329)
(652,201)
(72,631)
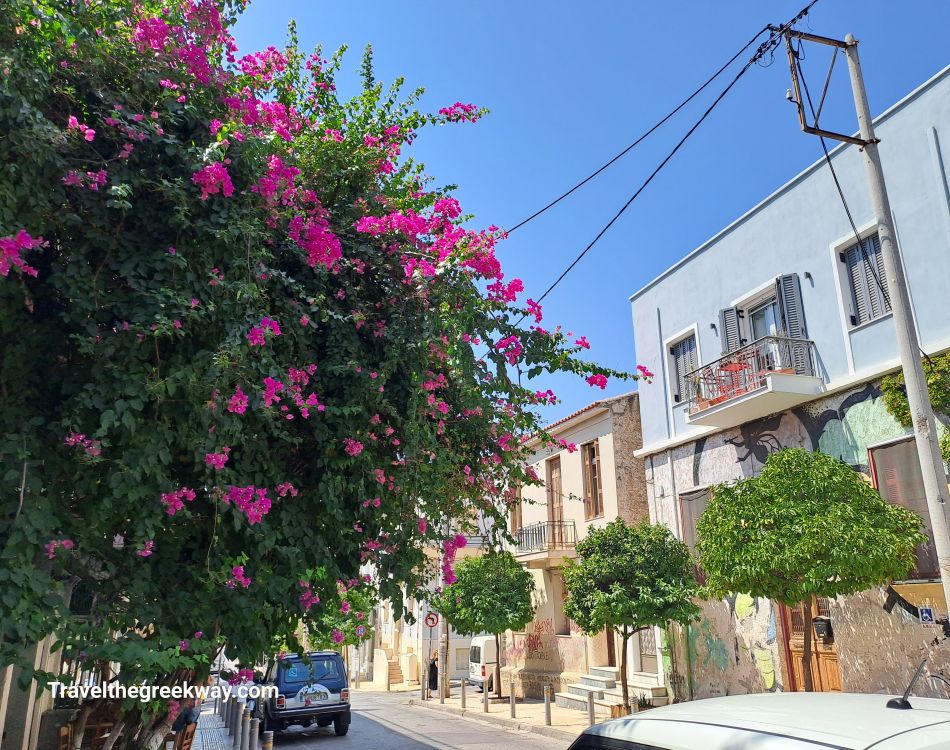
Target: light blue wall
(793,231)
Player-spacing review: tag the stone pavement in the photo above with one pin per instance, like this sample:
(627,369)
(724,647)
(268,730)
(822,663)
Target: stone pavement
(566,723)
(211,733)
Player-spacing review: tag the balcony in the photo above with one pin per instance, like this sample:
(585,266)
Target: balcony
(546,544)
(770,375)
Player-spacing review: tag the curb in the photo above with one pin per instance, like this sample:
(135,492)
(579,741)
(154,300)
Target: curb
(499,720)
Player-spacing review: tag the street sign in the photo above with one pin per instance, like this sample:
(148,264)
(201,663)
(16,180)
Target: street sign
(926,615)
(360,631)
(432,619)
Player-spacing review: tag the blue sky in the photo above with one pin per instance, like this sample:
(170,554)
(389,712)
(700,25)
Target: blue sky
(570,84)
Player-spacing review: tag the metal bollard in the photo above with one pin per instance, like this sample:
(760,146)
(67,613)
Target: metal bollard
(238,725)
(511,694)
(547,705)
(463,691)
(590,708)
(255,732)
(245,729)
(485,697)
(268,741)
(422,686)
(232,708)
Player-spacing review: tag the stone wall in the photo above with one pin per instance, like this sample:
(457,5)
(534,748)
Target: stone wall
(628,437)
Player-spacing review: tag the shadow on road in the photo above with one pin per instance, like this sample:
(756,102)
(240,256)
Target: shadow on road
(365,731)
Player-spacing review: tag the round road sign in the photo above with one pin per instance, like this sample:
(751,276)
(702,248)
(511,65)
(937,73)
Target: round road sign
(432,619)
(360,631)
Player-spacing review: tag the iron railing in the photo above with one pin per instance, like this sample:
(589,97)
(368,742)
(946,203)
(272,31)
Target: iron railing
(545,535)
(746,369)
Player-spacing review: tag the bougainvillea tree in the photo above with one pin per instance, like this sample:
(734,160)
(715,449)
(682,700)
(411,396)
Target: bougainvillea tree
(248,351)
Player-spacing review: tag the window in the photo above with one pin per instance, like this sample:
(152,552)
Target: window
(515,515)
(593,489)
(867,281)
(684,360)
(896,471)
(764,319)
(461,658)
(692,506)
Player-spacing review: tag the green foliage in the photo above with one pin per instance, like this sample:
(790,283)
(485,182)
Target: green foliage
(134,335)
(630,577)
(338,627)
(492,594)
(937,374)
(808,525)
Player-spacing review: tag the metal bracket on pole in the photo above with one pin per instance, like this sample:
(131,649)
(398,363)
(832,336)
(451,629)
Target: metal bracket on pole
(799,102)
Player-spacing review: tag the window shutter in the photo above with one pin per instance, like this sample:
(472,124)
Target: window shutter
(729,329)
(684,362)
(859,287)
(876,256)
(788,292)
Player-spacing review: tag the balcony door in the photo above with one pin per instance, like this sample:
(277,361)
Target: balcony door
(555,503)
(764,319)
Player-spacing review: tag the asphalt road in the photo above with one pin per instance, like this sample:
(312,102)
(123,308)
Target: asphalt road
(386,722)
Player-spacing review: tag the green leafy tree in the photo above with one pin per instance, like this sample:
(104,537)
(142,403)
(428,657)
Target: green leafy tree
(808,526)
(937,374)
(492,593)
(247,347)
(628,578)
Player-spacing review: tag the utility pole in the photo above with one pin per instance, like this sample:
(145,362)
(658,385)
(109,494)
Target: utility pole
(908,344)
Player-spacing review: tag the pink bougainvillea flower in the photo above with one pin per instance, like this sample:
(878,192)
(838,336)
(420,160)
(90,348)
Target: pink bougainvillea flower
(198,634)
(52,544)
(175,501)
(423,525)
(183,645)
(146,549)
(645,372)
(238,578)
(10,249)
(218,460)
(237,404)
(337,636)
(598,380)
(352,447)
(213,179)
(583,343)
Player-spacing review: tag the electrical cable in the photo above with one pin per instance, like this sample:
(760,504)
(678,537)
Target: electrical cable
(775,37)
(644,135)
(844,202)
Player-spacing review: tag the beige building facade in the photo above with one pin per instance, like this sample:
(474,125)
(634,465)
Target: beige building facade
(594,480)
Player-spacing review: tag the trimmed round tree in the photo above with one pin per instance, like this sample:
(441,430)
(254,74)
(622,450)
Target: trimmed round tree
(629,578)
(808,526)
(491,594)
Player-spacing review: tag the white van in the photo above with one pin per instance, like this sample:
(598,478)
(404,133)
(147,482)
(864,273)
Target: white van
(482,658)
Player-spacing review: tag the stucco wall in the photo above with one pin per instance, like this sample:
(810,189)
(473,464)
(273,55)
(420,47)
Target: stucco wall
(738,645)
(795,231)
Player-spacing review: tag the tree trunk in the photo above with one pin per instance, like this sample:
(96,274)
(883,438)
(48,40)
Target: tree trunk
(114,735)
(807,645)
(497,666)
(625,636)
(79,729)
(154,740)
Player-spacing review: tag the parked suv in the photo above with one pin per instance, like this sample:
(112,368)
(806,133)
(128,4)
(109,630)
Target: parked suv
(311,688)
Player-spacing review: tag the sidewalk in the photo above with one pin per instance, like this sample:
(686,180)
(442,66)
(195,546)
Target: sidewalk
(211,733)
(566,723)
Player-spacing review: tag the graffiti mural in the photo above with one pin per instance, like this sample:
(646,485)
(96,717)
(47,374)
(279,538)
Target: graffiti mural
(736,646)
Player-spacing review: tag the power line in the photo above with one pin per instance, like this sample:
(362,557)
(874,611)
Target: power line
(872,267)
(643,136)
(775,37)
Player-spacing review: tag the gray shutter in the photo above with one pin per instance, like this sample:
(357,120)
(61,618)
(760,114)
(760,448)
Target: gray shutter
(788,291)
(873,244)
(684,361)
(853,259)
(729,329)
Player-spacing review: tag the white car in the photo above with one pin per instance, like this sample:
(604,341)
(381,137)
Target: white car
(781,721)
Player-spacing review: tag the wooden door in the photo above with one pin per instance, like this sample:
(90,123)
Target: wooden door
(825,670)
(555,504)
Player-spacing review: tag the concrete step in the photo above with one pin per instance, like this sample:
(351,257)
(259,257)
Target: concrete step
(655,694)
(643,678)
(597,681)
(569,700)
(612,673)
(583,690)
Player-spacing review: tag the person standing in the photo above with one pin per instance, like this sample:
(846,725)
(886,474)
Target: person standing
(433,673)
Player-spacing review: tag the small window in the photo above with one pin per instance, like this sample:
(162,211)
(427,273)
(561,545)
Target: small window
(867,281)
(593,485)
(896,471)
(475,655)
(683,360)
